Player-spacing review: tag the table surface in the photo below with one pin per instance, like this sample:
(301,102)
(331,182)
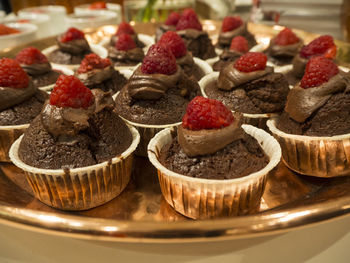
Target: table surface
(324,242)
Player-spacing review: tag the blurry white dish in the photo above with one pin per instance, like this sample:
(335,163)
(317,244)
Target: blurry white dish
(84,9)
(91,19)
(42,21)
(27,34)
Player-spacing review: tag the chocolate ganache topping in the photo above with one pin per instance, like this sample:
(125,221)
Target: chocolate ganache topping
(64,123)
(225,38)
(134,55)
(162,29)
(186,62)
(152,86)
(230,78)
(302,103)
(36,69)
(203,142)
(96,76)
(13,96)
(190,33)
(299,65)
(284,51)
(76,46)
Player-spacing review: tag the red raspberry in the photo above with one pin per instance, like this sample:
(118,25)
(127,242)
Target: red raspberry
(5,30)
(239,44)
(98,5)
(251,61)
(159,59)
(318,71)
(72,34)
(286,37)
(204,113)
(125,42)
(93,61)
(323,45)
(125,28)
(172,19)
(231,23)
(12,75)
(70,92)
(31,55)
(188,20)
(174,42)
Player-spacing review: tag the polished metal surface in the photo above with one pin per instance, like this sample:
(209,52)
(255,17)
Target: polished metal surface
(140,214)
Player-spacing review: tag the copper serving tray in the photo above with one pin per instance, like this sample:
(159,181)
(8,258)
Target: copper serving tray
(140,214)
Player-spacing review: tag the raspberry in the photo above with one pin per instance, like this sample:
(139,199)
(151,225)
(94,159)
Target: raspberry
(203,113)
(71,34)
(251,61)
(172,19)
(188,20)
(31,55)
(239,44)
(318,70)
(98,5)
(70,92)
(323,45)
(231,23)
(159,59)
(12,75)
(93,61)
(5,30)
(286,37)
(125,42)
(125,28)
(174,42)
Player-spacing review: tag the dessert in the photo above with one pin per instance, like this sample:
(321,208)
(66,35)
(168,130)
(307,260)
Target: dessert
(80,145)
(184,58)
(284,47)
(125,28)
(5,30)
(125,52)
(20,103)
(211,159)
(157,93)
(98,5)
(315,125)
(238,47)
(72,48)
(233,26)
(169,25)
(98,73)
(37,67)
(248,86)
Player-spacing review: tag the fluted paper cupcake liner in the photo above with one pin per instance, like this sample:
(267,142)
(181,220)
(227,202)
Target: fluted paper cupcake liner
(97,49)
(257,120)
(311,155)
(204,198)
(203,65)
(8,135)
(79,188)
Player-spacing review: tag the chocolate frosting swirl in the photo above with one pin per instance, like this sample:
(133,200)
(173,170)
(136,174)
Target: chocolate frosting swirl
(186,62)
(136,55)
(229,54)
(13,96)
(36,69)
(302,103)
(151,86)
(284,51)
(230,78)
(203,142)
(64,123)
(190,33)
(225,38)
(96,76)
(76,46)
(162,29)
(299,65)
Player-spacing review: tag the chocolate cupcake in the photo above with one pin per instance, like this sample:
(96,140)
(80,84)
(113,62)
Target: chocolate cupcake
(98,73)
(250,87)
(71,49)
(79,139)
(156,95)
(169,25)
(233,26)
(211,166)
(314,129)
(126,28)
(20,103)
(125,53)
(38,68)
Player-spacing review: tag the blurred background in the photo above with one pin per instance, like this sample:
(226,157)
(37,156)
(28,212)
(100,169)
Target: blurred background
(319,16)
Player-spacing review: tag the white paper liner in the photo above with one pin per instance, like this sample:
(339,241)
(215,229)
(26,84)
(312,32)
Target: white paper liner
(203,65)
(203,198)
(65,71)
(79,188)
(97,49)
(311,155)
(8,135)
(257,120)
